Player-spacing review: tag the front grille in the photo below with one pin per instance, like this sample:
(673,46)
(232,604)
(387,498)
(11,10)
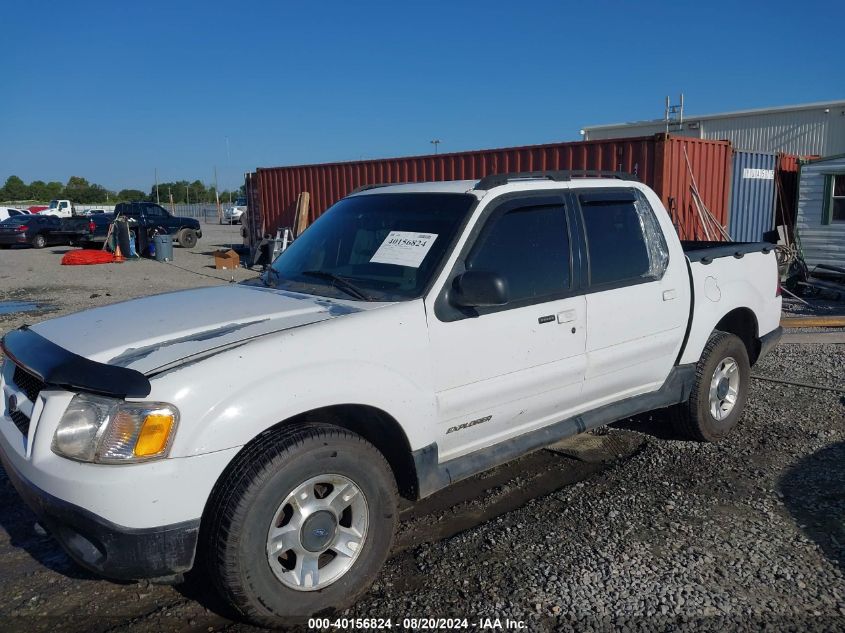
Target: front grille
(29,384)
(21,421)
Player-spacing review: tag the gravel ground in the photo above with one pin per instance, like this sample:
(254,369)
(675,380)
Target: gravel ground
(748,534)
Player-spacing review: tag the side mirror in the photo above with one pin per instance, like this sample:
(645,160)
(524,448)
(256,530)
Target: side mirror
(479,289)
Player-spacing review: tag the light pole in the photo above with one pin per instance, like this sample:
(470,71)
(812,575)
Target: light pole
(435,142)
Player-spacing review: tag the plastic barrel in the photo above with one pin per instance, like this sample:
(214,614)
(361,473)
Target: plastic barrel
(164,248)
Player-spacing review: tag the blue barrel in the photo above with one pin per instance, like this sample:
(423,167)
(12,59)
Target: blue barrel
(164,248)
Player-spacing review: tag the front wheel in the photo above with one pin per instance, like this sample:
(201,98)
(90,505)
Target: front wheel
(302,524)
(187,238)
(719,391)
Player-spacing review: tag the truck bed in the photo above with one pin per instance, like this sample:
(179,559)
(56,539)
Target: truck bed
(706,251)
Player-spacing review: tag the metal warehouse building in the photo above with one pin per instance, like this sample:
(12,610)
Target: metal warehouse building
(809,129)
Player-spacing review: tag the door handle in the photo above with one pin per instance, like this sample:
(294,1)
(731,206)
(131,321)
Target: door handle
(668,295)
(567,316)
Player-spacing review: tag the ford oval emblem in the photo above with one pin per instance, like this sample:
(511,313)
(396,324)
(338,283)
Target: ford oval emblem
(320,532)
(13,403)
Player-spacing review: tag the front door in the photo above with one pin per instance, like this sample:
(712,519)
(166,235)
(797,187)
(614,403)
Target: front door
(502,371)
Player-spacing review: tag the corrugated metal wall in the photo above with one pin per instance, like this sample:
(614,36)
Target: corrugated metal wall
(751,209)
(797,132)
(711,167)
(820,243)
(816,130)
(658,162)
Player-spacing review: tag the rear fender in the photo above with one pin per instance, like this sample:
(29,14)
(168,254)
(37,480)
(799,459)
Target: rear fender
(726,284)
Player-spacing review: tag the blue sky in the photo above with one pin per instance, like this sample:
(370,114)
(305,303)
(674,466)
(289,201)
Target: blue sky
(112,90)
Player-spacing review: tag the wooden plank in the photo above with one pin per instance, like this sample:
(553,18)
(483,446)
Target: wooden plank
(303,205)
(813,321)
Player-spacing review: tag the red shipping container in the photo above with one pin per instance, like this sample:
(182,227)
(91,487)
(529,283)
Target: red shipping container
(657,161)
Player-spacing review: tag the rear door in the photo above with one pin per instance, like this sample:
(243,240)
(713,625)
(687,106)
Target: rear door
(502,371)
(637,299)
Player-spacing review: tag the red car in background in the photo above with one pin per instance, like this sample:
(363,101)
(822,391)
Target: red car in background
(38,208)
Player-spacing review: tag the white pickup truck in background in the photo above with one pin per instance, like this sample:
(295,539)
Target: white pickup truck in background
(60,209)
(413,336)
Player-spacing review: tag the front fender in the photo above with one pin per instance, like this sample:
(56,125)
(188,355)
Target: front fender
(222,413)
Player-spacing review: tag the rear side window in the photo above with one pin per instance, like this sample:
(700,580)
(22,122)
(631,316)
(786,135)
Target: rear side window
(624,241)
(529,248)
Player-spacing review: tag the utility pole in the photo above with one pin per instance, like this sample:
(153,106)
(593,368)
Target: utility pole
(156,177)
(217,195)
(435,142)
(187,194)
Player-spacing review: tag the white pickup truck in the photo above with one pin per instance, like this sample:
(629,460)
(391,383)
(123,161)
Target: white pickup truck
(413,336)
(60,209)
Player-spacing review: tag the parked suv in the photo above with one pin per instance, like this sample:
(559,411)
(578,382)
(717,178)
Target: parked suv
(153,216)
(413,336)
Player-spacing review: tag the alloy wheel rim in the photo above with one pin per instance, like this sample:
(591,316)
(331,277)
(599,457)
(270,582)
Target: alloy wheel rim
(724,388)
(318,532)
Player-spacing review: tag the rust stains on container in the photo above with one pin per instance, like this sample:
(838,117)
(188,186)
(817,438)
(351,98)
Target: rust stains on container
(656,160)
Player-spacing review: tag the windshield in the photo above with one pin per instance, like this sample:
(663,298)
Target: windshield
(240,202)
(54,204)
(378,247)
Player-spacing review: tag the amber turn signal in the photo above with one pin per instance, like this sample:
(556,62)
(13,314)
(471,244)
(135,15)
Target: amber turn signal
(154,435)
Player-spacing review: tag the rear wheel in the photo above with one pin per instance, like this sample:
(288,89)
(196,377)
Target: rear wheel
(39,241)
(302,524)
(187,238)
(719,392)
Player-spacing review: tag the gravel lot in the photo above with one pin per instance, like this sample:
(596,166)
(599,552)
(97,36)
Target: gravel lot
(748,534)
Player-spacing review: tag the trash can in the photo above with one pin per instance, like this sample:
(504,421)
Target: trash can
(164,248)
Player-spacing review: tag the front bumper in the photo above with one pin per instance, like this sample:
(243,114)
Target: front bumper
(769,341)
(104,547)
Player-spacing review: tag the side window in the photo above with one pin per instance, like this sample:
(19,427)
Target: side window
(529,248)
(837,199)
(624,241)
(154,211)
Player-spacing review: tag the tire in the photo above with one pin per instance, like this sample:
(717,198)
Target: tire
(39,241)
(253,496)
(701,418)
(187,238)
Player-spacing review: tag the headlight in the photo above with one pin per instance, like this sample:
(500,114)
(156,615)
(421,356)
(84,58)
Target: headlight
(106,430)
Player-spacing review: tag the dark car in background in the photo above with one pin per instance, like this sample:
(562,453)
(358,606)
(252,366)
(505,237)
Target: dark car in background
(36,230)
(155,218)
(87,231)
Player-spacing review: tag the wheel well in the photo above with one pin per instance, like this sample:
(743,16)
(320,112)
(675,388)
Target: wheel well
(743,324)
(379,429)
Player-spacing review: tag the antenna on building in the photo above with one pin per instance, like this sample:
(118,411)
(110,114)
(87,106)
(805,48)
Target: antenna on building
(674,115)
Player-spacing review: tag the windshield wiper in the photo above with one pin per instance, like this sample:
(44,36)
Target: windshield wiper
(340,282)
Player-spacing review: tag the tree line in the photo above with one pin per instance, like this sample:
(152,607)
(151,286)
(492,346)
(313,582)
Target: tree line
(80,191)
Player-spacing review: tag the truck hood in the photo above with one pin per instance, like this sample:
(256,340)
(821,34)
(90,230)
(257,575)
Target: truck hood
(165,330)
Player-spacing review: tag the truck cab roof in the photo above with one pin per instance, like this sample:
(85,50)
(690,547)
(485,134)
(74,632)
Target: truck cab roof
(513,181)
